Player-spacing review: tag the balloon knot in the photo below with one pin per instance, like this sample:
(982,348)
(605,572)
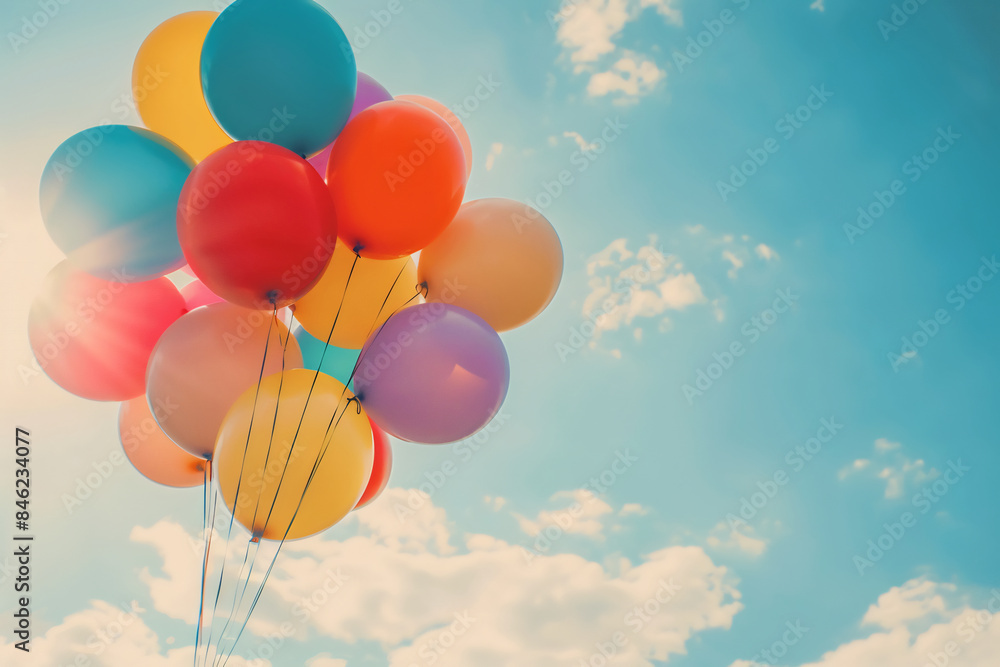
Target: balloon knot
(272,297)
(355,399)
(423,289)
(357,249)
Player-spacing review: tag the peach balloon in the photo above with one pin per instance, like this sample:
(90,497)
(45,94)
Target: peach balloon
(269,449)
(499,259)
(449,115)
(365,305)
(149,449)
(205,360)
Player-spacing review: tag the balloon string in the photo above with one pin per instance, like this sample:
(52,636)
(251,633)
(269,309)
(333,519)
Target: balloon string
(207,530)
(239,481)
(291,450)
(236,605)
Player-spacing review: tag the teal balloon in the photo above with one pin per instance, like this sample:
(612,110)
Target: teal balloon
(280,71)
(338,362)
(109,201)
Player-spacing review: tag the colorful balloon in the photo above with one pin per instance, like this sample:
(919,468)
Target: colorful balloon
(257,224)
(94,337)
(268,449)
(397,176)
(381,467)
(334,361)
(364,291)
(282,72)
(452,119)
(499,259)
(166,85)
(150,450)
(370,92)
(433,373)
(205,360)
(196,294)
(109,201)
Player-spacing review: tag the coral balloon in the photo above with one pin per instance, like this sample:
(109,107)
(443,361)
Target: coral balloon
(499,258)
(256,224)
(337,362)
(196,294)
(282,72)
(452,119)
(94,337)
(434,373)
(360,296)
(205,360)
(270,457)
(397,176)
(370,92)
(166,85)
(109,201)
(150,450)
(381,467)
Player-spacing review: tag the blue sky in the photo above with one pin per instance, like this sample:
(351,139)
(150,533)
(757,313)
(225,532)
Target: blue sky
(597,89)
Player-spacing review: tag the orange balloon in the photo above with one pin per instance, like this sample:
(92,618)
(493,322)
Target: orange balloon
(397,176)
(166,85)
(150,450)
(365,305)
(499,259)
(268,449)
(205,360)
(452,119)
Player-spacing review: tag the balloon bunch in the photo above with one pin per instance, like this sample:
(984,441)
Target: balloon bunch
(290,186)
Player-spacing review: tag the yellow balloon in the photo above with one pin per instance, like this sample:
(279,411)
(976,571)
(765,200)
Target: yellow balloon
(166,85)
(272,475)
(365,306)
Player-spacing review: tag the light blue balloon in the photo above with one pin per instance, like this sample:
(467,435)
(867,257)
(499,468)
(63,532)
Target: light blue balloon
(109,201)
(280,71)
(338,362)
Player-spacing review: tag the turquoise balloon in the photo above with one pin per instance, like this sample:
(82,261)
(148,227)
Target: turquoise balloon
(109,201)
(280,71)
(337,362)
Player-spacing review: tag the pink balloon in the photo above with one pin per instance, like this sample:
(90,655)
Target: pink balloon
(370,92)
(94,337)
(196,294)
(202,364)
(152,453)
(433,373)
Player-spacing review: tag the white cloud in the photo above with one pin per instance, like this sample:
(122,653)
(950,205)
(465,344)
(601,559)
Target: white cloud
(630,509)
(896,469)
(406,587)
(765,252)
(588,31)
(583,514)
(324,660)
(736,538)
(736,262)
(496,503)
(818,5)
(580,141)
(919,624)
(495,150)
(105,635)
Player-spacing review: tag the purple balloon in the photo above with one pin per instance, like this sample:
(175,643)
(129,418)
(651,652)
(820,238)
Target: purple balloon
(370,92)
(433,373)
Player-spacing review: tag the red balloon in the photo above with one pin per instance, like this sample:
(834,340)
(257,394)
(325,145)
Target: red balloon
(380,468)
(397,176)
(94,337)
(256,224)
